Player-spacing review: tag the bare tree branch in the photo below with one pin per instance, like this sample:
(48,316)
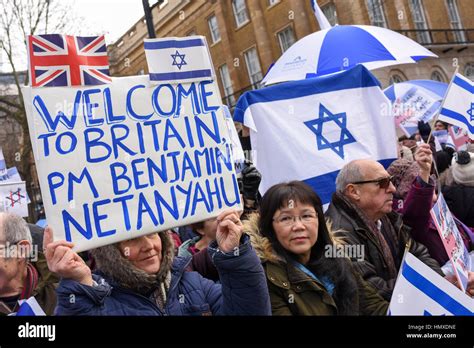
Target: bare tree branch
(18,19)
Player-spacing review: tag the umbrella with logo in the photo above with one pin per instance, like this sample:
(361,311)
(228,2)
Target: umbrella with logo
(342,47)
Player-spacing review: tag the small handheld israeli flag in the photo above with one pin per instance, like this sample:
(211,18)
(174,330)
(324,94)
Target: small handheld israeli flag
(421,291)
(458,107)
(29,307)
(176,59)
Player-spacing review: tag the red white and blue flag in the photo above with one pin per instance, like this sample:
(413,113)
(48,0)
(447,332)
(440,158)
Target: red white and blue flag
(64,60)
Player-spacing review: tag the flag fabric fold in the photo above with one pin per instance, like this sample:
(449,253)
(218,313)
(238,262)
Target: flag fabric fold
(29,307)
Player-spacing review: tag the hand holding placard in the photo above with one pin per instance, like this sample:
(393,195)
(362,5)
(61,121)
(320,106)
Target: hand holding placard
(63,261)
(229,230)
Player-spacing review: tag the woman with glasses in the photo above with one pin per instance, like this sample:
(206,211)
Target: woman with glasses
(305,275)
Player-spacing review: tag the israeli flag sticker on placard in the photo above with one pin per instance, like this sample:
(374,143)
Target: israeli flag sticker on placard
(178,60)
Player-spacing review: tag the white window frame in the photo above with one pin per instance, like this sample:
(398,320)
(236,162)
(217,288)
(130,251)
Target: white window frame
(243,10)
(469,67)
(330,12)
(441,77)
(255,75)
(455,20)
(419,20)
(227,84)
(280,38)
(215,32)
(396,78)
(372,7)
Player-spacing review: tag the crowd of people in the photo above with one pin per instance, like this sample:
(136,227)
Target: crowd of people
(270,259)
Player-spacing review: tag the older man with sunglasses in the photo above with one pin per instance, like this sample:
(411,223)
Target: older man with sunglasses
(361,213)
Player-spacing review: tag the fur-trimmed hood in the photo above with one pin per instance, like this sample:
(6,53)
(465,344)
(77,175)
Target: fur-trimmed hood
(262,245)
(116,268)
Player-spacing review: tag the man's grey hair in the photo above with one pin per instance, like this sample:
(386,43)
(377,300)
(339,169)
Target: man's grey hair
(13,228)
(349,173)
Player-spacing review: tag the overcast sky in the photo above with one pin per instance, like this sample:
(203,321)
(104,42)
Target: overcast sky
(111,17)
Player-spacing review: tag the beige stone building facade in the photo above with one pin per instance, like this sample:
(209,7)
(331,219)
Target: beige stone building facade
(246,36)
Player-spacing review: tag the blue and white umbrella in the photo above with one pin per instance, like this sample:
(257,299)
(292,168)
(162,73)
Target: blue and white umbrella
(342,47)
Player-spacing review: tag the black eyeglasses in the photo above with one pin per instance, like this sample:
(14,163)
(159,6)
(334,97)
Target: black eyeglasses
(384,183)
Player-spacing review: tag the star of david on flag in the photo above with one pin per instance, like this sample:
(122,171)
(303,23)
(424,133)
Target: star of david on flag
(458,106)
(308,129)
(13,198)
(316,126)
(178,59)
(63,60)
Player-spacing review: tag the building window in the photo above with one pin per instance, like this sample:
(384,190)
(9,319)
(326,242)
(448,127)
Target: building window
(459,35)
(329,11)
(396,78)
(253,67)
(273,2)
(436,76)
(376,14)
(227,85)
(286,37)
(240,12)
(163,4)
(418,14)
(469,71)
(214,29)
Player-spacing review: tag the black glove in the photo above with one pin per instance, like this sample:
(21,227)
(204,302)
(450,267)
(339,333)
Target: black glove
(424,129)
(251,178)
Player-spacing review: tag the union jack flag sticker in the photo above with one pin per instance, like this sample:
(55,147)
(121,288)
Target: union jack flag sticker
(63,60)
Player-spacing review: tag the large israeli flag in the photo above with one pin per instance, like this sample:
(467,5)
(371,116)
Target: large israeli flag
(458,107)
(178,59)
(307,130)
(421,291)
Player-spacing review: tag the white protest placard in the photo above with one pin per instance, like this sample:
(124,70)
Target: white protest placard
(13,198)
(415,105)
(452,240)
(421,291)
(460,137)
(127,159)
(236,147)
